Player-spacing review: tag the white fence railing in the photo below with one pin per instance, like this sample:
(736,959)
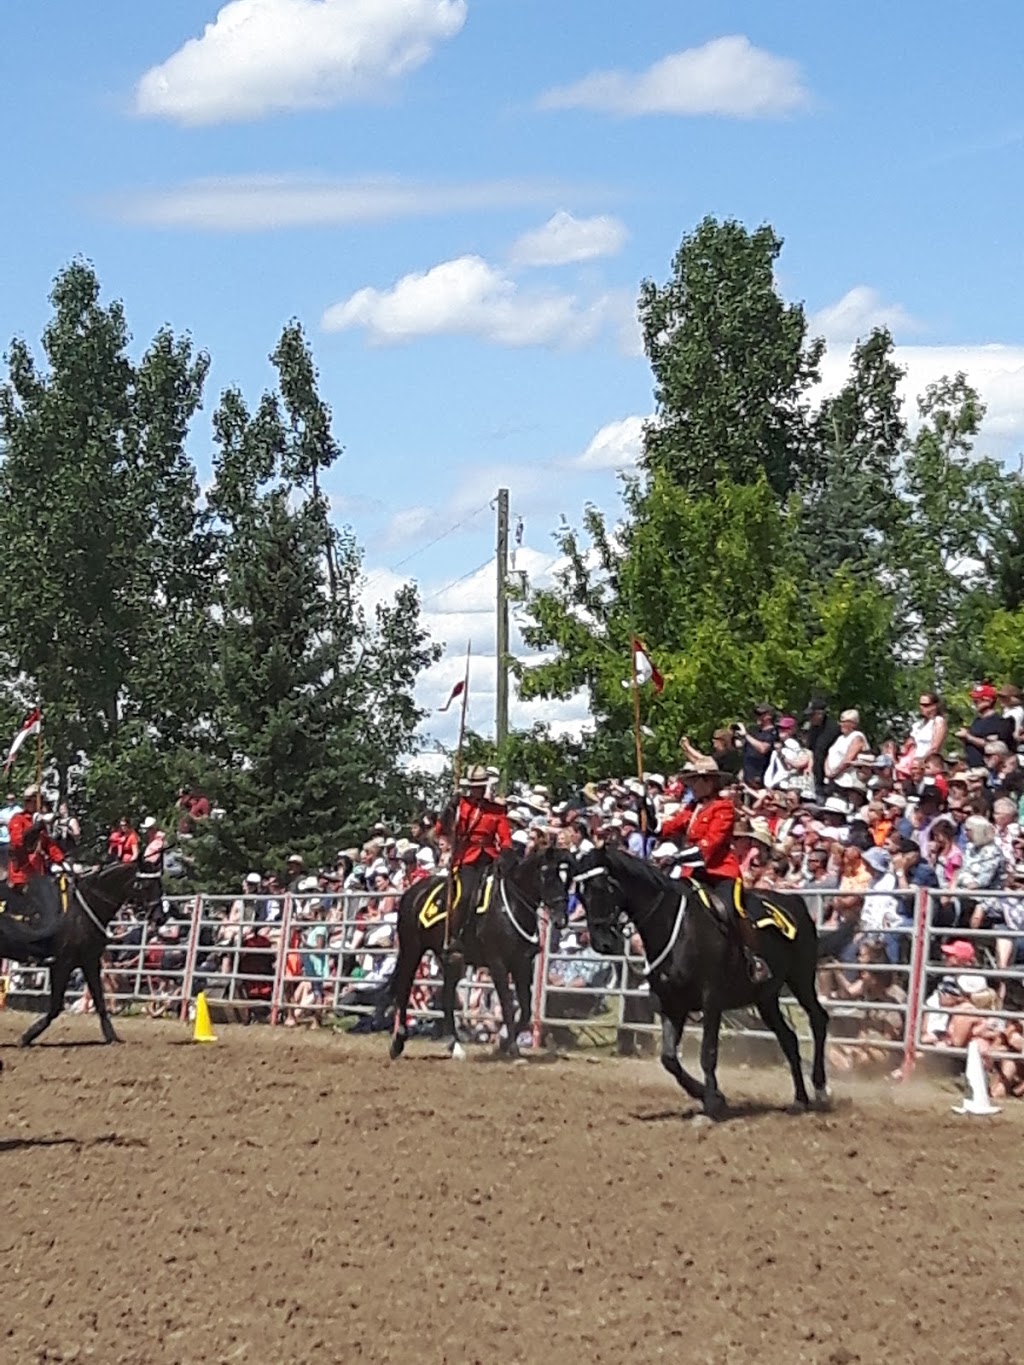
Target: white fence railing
(293,959)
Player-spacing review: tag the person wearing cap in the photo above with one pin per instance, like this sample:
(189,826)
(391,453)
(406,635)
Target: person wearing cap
(425,865)
(987,725)
(758,745)
(31,853)
(151,866)
(709,825)
(479,832)
(295,871)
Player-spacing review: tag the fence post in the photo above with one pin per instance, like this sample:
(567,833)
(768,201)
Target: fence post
(194,933)
(282,958)
(915,995)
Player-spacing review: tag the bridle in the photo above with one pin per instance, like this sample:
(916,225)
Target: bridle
(504,884)
(107,903)
(640,920)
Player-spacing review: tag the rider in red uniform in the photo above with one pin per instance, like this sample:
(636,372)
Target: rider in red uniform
(31,853)
(708,825)
(479,832)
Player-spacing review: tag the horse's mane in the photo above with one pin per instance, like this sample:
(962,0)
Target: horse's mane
(627,865)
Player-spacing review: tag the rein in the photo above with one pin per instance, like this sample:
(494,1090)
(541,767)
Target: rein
(90,915)
(648,914)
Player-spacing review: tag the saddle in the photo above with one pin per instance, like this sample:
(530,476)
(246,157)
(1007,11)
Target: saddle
(432,911)
(747,905)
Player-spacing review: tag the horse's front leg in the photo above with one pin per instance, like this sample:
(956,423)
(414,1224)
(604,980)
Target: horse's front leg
(94,980)
(714,1100)
(509,1045)
(671,1037)
(522,978)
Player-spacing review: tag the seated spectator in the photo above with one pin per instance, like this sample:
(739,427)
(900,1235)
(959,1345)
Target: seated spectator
(982,870)
(877,1029)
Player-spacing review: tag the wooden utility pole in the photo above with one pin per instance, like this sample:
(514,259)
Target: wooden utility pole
(501,638)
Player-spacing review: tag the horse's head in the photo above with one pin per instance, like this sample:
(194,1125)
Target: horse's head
(602,900)
(105,889)
(543,876)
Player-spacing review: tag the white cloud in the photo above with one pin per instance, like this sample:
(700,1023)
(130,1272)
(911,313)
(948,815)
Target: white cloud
(256,203)
(403,526)
(996,371)
(857,312)
(469,297)
(616,446)
(264,56)
(563,240)
(462,612)
(727,76)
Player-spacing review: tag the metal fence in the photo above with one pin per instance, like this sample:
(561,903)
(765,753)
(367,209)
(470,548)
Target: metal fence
(297,959)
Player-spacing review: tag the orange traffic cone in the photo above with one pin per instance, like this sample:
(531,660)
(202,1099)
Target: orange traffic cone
(203,1032)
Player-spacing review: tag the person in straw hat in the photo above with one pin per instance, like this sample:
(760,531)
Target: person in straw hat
(478,829)
(708,824)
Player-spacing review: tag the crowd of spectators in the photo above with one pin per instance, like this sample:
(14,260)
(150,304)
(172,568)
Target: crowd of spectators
(859,826)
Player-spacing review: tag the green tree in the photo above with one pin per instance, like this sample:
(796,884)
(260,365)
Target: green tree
(850,510)
(731,362)
(313,704)
(954,508)
(716,587)
(104,547)
(1004,559)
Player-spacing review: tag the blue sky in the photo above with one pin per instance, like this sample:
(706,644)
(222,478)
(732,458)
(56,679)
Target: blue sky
(390,171)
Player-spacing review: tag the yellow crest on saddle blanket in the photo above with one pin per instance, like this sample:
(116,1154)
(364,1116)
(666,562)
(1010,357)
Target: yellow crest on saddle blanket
(772,918)
(432,910)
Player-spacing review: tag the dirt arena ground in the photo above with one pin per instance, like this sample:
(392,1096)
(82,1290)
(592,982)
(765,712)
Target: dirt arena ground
(280,1199)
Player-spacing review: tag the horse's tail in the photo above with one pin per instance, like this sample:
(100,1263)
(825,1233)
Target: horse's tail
(833,942)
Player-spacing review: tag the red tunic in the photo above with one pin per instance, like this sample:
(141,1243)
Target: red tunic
(481,829)
(24,863)
(709,825)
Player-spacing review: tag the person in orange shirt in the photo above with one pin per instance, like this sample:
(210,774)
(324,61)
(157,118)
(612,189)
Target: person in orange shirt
(709,825)
(123,844)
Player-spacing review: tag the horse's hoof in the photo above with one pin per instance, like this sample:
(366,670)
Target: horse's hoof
(397,1047)
(113,1039)
(799,1107)
(25,1041)
(823,1098)
(512,1051)
(457,1052)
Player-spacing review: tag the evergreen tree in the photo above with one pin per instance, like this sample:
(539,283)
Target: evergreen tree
(313,704)
(103,548)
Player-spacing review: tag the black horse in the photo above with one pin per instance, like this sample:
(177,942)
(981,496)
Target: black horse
(80,940)
(695,965)
(504,939)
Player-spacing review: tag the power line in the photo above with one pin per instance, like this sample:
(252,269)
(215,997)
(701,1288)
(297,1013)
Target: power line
(455,581)
(456,526)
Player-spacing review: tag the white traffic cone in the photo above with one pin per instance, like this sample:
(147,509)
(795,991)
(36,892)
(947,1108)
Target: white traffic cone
(979,1101)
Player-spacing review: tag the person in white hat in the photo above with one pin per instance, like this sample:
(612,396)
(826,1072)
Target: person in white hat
(151,865)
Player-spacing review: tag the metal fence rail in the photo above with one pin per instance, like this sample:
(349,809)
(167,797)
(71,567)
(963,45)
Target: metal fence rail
(302,959)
